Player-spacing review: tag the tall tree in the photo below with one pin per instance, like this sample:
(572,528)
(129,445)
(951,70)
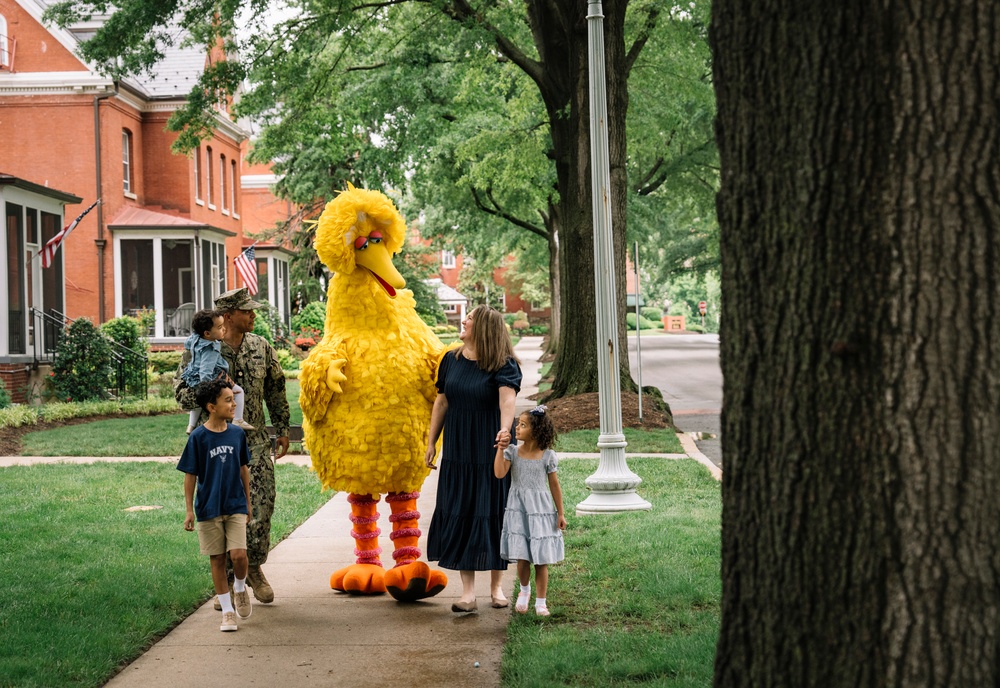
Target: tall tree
(376,93)
(860,229)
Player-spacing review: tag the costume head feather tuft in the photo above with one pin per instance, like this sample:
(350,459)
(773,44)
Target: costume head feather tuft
(353,213)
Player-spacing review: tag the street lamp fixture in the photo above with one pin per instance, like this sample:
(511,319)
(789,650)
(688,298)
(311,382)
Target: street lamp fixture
(612,487)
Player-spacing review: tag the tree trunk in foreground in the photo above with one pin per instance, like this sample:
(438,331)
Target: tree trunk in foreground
(860,237)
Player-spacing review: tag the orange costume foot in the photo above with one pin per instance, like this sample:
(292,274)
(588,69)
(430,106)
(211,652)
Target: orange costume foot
(366,577)
(410,580)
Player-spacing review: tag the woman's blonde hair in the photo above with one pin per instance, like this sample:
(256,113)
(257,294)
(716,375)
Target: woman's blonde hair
(490,339)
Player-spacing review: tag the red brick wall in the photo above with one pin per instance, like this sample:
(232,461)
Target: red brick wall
(36,50)
(15,379)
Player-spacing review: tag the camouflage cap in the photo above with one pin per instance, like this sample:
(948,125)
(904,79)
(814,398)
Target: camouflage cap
(236,300)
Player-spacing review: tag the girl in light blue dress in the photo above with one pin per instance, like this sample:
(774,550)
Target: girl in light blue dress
(534,520)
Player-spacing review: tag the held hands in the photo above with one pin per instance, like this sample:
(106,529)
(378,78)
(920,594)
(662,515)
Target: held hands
(189,521)
(502,439)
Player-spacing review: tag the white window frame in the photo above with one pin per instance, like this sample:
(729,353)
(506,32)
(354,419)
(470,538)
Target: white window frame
(4,43)
(447,260)
(209,178)
(232,188)
(223,195)
(197,177)
(127,163)
(218,271)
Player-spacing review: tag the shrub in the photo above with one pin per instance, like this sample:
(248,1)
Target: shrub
(538,330)
(262,328)
(312,317)
(161,385)
(18,415)
(509,318)
(651,313)
(270,326)
(165,361)
(127,332)
(306,338)
(644,323)
(82,368)
(4,396)
(286,359)
(695,328)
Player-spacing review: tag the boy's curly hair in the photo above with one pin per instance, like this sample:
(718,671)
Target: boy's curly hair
(541,426)
(203,321)
(208,392)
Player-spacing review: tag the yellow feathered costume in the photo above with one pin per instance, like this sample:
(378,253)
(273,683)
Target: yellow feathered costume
(367,390)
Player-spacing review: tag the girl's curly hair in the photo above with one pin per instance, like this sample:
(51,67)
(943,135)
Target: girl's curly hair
(542,429)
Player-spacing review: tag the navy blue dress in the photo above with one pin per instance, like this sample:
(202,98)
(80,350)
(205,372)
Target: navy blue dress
(465,530)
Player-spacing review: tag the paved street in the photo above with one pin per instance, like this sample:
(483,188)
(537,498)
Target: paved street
(686,369)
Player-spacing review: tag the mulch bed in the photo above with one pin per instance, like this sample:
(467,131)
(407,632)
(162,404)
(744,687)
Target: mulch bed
(583,412)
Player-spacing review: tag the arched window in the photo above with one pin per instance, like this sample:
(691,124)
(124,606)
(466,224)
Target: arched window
(224,195)
(233,192)
(210,176)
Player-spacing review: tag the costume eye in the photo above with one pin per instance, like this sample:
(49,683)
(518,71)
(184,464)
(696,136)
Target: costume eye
(361,243)
(375,237)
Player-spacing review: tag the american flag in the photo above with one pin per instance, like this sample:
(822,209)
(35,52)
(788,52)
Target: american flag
(246,265)
(49,251)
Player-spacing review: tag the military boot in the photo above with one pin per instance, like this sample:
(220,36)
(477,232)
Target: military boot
(261,588)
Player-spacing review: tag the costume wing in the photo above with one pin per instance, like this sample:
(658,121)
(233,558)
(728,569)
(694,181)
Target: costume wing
(320,379)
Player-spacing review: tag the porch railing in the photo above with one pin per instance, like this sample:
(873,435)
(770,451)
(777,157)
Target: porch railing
(129,368)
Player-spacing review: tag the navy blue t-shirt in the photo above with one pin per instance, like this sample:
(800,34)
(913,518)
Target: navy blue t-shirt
(216,457)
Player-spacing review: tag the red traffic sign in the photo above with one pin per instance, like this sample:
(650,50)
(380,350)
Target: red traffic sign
(702,306)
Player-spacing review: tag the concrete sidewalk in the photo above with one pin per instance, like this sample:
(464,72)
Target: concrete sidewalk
(313,636)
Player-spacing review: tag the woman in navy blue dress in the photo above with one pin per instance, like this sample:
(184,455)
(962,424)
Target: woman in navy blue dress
(477,384)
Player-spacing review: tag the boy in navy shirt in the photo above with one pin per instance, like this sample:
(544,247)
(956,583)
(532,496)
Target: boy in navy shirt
(215,459)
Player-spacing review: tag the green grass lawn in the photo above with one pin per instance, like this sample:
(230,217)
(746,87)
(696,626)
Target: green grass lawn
(136,436)
(663,441)
(87,586)
(636,601)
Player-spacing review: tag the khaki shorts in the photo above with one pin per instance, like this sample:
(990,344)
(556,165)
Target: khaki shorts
(222,534)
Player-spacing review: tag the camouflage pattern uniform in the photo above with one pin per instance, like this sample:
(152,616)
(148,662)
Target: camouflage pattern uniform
(255,368)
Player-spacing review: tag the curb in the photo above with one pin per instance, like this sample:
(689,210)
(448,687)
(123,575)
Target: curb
(692,449)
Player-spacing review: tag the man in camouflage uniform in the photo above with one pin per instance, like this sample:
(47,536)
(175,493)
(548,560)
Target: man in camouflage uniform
(254,366)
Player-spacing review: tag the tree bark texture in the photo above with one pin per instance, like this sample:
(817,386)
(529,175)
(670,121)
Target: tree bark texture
(560,32)
(860,236)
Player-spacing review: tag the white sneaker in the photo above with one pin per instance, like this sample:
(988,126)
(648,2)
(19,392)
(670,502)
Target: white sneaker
(190,429)
(228,621)
(240,423)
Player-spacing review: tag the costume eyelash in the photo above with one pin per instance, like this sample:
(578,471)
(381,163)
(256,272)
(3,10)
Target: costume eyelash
(539,410)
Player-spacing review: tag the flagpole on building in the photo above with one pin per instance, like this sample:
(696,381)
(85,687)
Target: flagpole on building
(48,251)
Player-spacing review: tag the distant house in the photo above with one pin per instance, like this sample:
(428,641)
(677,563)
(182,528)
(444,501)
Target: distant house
(169,226)
(449,271)
(453,303)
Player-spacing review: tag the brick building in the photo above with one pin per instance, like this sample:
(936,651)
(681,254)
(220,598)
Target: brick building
(167,230)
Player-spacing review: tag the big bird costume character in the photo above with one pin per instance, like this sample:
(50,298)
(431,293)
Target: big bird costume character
(367,390)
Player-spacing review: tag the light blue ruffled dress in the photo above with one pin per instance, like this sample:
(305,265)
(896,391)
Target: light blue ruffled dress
(531,522)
